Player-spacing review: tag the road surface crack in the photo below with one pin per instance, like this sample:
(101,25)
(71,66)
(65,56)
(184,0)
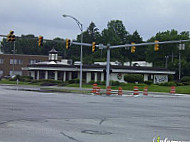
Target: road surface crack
(69,137)
(101,121)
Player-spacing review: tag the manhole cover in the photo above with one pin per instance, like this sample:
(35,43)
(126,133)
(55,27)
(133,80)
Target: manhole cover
(93,132)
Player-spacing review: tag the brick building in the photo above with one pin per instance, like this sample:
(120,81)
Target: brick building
(12,64)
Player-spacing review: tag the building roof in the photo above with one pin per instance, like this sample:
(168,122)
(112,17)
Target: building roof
(99,68)
(53,51)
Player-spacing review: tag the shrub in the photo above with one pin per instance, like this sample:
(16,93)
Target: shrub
(103,83)
(122,84)
(22,78)
(98,82)
(186,83)
(148,82)
(132,78)
(26,78)
(114,83)
(170,77)
(15,78)
(91,82)
(185,79)
(179,84)
(48,82)
(168,84)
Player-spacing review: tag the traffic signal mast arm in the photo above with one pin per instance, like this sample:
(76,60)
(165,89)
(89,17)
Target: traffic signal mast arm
(130,45)
(7,36)
(116,46)
(149,43)
(84,44)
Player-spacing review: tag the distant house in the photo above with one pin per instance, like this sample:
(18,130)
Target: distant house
(64,70)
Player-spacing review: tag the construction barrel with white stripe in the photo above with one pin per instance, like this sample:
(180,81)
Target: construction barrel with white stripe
(94,88)
(120,91)
(172,90)
(136,90)
(145,92)
(108,90)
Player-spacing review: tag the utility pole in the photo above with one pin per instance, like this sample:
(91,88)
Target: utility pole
(108,66)
(166,65)
(181,47)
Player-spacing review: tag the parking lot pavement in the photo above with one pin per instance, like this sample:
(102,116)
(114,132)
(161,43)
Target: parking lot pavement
(38,116)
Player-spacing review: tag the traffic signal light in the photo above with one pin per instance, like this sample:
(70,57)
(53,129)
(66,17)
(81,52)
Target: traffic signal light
(11,36)
(133,48)
(40,41)
(68,43)
(156,46)
(93,46)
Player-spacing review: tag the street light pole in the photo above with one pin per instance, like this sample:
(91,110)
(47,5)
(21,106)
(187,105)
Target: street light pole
(81,29)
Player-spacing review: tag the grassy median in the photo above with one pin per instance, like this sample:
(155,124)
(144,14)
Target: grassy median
(129,86)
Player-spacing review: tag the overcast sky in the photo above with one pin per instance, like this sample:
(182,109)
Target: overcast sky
(44,17)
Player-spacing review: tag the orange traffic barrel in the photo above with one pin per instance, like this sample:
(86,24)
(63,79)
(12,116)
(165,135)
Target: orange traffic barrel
(145,92)
(97,90)
(172,90)
(94,88)
(136,90)
(108,90)
(120,91)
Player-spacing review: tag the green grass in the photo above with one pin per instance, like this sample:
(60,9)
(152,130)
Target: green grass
(183,89)
(129,86)
(5,81)
(151,88)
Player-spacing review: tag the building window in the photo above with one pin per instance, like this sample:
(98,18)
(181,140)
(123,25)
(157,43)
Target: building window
(16,61)
(11,61)
(1,61)
(19,61)
(33,61)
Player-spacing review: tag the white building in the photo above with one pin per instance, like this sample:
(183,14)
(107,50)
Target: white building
(138,63)
(64,71)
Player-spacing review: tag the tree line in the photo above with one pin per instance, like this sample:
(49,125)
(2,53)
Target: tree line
(115,34)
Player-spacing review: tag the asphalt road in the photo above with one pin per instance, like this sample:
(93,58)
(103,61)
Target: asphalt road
(28,116)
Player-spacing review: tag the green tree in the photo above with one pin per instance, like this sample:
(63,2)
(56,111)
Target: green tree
(170,50)
(115,34)
(139,52)
(90,35)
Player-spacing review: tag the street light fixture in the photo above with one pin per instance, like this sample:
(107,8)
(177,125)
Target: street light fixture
(81,29)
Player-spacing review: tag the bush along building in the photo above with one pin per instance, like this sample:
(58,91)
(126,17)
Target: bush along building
(64,70)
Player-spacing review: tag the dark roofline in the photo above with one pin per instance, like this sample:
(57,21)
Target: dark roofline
(95,66)
(24,55)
